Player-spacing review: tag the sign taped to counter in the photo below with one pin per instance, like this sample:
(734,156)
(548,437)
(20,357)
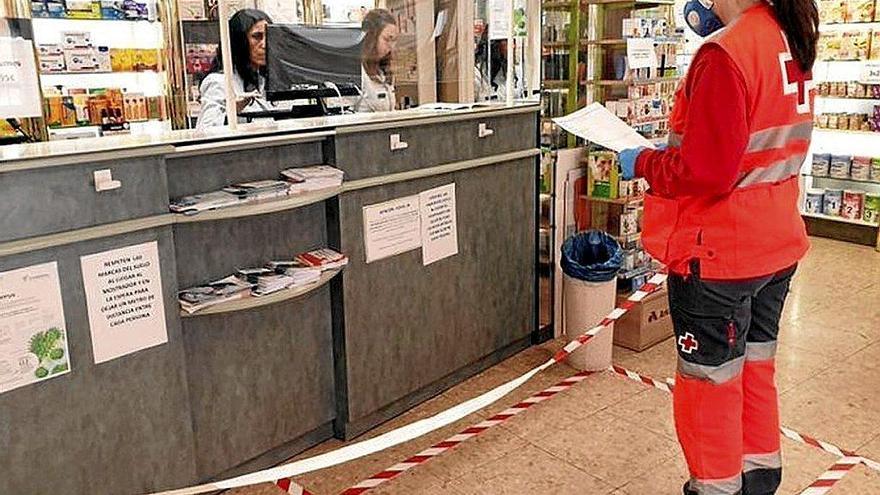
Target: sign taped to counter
(392,228)
(33,333)
(439,224)
(125,300)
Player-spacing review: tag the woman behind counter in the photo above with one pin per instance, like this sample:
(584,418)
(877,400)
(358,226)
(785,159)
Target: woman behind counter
(247,36)
(377,86)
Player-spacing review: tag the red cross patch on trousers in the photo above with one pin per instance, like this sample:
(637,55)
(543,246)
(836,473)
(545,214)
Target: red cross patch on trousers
(688,343)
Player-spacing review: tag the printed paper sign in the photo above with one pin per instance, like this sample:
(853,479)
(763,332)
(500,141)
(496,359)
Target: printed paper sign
(125,301)
(33,334)
(640,53)
(19,88)
(392,228)
(870,73)
(500,19)
(439,224)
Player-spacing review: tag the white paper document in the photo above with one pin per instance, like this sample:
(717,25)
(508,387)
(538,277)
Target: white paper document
(33,334)
(392,228)
(125,301)
(597,124)
(439,224)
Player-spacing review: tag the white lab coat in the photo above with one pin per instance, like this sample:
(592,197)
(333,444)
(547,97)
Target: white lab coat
(375,96)
(213,99)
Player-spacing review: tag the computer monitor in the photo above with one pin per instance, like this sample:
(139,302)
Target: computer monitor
(312,62)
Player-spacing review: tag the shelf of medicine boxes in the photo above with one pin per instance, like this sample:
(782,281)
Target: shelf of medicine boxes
(849,25)
(839,219)
(842,179)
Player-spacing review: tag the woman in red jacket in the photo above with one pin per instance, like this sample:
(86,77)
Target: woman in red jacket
(723,215)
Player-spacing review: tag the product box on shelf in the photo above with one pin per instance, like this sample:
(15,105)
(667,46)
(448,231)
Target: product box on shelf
(113,9)
(875,45)
(51,64)
(52,110)
(871,212)
(602,174)
(81,60)
(121,59)
(49,50)
(853,203)
(821,165)
(860,168)
(56,9)
(102,56)
(861,11)
(625,224)
(833,11)
(83,9)
(39,9)
(135,107)
(646,324)
(145,59)
(81,105)
(76,39)
(192,10)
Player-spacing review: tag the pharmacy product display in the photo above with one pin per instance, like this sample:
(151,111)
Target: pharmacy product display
(102,67)
(841,180)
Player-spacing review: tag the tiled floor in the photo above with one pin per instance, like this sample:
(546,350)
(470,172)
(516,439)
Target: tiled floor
(608,435)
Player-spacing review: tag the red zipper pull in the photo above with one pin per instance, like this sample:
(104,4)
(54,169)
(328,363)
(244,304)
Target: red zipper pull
(731,333)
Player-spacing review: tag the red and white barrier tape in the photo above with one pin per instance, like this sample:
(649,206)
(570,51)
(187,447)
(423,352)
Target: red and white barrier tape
(646,380)
(280,474)
(291,488)
(786,432)
(456,440)
(831,477)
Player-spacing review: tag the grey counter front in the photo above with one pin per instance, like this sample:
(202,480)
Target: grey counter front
(248,386)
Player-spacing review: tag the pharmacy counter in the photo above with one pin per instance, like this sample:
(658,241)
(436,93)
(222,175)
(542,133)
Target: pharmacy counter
(248,384)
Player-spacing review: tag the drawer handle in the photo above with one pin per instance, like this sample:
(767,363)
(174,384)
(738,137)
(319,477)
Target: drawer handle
(397,144)
(483,131)
(104,181)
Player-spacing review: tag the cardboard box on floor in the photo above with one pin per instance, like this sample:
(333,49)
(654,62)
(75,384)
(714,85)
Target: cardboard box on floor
(647,324)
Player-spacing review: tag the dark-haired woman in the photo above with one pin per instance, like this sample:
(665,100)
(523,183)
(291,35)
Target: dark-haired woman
(722,214)
(490,70)
(247,36)
(380,39)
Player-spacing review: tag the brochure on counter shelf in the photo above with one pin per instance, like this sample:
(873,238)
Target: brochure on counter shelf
(324,259)
(213,293)
(204,202)
(315,178)
(261,188)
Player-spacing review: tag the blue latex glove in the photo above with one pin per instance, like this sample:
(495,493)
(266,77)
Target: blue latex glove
(627,159)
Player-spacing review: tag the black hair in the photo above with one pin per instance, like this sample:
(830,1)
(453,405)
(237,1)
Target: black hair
(240,25)
(800,22)
(490,51)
